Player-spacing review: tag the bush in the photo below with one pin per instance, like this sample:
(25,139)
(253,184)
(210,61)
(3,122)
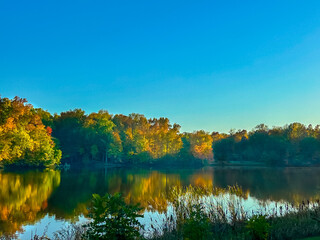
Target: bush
(258,227)
(197,226)
(113,218)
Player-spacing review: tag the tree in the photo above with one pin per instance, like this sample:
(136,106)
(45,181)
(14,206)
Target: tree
(68,129)
(24,140)
(200,143)
(99,128)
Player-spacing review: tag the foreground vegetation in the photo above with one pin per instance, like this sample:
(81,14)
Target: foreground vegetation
(33,137)
(196,213)
(198,217)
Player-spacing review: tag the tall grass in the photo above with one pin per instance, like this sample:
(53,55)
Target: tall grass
(202,213)
(198,213)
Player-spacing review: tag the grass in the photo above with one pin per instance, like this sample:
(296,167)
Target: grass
(202,213)
(197,215)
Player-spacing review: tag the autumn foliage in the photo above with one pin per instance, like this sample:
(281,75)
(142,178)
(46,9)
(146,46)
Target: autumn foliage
(32,137)
(24,139)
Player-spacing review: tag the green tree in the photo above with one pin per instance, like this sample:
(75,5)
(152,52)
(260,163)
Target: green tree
(68,129)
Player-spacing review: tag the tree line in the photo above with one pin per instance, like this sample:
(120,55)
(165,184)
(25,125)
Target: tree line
(293,144)
(33,137)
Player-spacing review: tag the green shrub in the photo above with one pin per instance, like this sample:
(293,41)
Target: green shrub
(258,227)
(113,219)
(197,226)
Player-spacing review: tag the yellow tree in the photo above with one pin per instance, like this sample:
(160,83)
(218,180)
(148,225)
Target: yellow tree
(201,145)
(24,140)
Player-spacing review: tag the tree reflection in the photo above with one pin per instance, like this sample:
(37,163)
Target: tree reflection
(26,197)
(23,197)
(148,188)
(292,185)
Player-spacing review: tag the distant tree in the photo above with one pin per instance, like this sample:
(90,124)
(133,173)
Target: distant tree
(200,143)
(99,133)
(32,136)
(224,149)
(68,129)
(147,140)
(293,144)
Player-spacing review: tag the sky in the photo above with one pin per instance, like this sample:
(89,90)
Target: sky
(212,65)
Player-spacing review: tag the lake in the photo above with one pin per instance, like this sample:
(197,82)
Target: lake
(32,201)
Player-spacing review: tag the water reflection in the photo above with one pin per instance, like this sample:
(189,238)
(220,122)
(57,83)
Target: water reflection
(26,197)
(23,198)
(292,185)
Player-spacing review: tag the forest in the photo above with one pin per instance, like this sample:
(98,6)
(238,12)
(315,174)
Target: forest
(33,137)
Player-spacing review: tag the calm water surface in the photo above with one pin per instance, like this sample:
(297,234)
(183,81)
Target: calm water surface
(31,201)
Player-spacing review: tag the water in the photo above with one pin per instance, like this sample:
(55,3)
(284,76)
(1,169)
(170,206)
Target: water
(32,201)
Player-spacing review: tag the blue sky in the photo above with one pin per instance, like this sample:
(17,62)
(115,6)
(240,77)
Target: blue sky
(212,65)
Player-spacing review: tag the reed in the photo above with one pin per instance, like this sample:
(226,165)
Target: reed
(199,213)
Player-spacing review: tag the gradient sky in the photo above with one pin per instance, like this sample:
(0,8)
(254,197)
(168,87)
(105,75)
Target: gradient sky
(212,65)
